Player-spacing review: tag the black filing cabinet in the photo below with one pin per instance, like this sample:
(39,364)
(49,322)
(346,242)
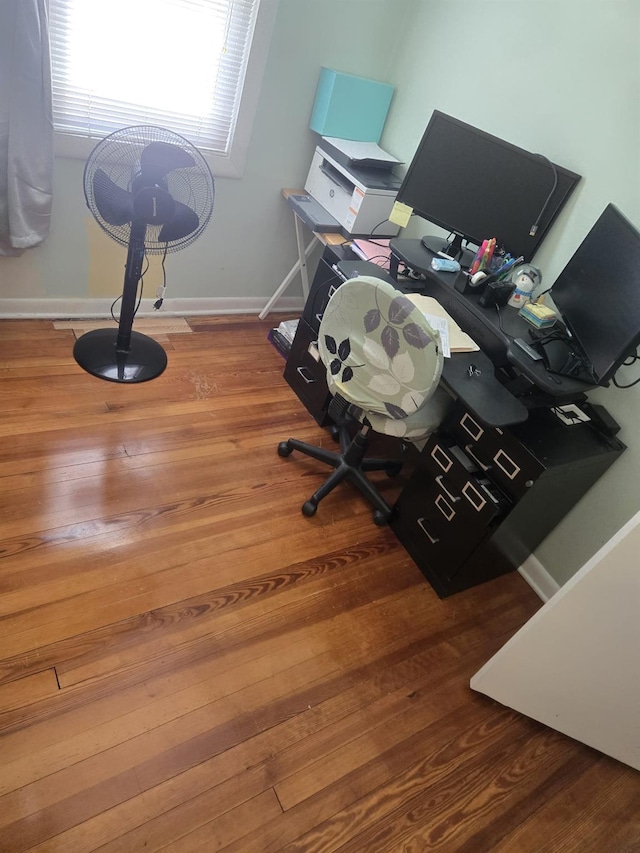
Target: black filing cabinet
(481,499)
(323,286)
(306,374)
(304,371)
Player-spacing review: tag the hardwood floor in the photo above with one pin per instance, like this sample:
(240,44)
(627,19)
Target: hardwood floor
(189,664)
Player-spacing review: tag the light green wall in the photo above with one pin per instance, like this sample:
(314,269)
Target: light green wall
(561,77)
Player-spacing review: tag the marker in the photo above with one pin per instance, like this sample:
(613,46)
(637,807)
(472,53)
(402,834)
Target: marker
(506,267)
(486,260)
(475,266)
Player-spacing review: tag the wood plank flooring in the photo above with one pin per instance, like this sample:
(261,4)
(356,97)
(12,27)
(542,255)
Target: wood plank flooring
(189,664)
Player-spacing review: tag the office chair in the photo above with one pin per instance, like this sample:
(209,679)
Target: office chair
(383,363)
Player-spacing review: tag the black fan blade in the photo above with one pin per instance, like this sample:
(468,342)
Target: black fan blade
(114,204)
(184,222)
(158,158)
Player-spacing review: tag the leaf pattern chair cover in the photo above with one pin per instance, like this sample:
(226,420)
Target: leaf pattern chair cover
(384,363)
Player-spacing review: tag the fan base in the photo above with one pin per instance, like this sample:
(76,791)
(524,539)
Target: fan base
(96,353)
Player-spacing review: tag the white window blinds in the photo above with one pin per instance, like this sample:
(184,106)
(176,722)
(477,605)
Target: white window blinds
(178,64)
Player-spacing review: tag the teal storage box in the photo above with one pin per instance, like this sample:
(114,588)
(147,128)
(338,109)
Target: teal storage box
(350,107)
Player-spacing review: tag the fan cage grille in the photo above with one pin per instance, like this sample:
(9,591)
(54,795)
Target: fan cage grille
(118,155)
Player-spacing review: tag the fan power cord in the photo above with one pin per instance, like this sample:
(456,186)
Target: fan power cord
(159,297)
(160,292)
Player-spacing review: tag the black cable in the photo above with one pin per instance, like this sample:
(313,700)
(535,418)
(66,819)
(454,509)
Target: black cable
(113,305)
(372,232)
(534,228)
(630,384)
(498,312)
(140,284)
(375,228)
(164,272)
(118,298)
(158,303)
(381,257)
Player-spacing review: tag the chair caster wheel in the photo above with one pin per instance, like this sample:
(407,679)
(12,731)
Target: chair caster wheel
(334,432)
(380,518)
(309,508)
(393,472)
(284,449)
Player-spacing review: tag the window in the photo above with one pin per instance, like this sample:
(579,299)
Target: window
(193,66)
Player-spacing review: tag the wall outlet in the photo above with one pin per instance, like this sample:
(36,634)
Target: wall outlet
(571,414)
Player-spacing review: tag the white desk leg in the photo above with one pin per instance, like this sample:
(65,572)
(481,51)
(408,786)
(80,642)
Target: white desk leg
(299,266)
(302,255)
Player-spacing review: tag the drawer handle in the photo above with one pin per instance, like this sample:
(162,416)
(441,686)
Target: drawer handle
(440,482)
(421,525)
(480,464)
(448,511)
(508,466)
(474,497)
(441,458)
(301,371)
(472,427)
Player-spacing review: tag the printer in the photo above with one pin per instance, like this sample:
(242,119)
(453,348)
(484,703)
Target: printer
(359,196)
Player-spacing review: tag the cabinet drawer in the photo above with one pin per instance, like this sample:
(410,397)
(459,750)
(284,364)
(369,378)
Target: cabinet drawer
(459,478)
(306,374)
(500,456)
(432,530)
(441,520)
(325,283)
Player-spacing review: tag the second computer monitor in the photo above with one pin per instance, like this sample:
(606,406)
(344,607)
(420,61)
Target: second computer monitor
(598,293)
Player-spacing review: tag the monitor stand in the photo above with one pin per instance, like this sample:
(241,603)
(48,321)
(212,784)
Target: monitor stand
(453,248)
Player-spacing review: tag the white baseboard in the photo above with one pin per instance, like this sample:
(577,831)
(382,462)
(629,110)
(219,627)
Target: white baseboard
(85,308)
(538,578)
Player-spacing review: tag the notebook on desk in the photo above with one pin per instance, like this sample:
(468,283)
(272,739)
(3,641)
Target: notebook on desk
(459,341)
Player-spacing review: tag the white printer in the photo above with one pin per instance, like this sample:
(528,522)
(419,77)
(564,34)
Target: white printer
(359,196)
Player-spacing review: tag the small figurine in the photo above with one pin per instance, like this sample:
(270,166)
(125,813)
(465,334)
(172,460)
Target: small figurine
(526,278)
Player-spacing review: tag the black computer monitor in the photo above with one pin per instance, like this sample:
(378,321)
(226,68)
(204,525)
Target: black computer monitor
(598,293)
(476,186)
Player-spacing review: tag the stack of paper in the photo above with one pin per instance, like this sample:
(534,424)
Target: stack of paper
(458,341)
(538,315)
(364,153)
(377,252)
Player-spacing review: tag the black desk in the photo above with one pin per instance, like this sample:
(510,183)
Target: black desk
(493,332)
(496,476)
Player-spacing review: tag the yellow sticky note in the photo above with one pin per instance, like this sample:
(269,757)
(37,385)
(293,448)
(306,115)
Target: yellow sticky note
(400,214)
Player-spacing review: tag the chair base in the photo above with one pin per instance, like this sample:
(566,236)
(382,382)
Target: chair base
(349,464)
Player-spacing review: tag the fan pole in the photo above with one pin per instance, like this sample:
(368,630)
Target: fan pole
(132,275)
(123,355)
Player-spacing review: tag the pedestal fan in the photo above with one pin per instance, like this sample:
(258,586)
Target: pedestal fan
(152,191)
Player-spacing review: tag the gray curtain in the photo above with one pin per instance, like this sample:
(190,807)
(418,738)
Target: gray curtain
(26,125)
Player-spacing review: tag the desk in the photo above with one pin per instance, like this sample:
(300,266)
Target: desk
(300,265)
(497,476)
(494,334)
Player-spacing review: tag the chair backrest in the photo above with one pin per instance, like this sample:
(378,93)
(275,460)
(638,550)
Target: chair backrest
(380,352)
